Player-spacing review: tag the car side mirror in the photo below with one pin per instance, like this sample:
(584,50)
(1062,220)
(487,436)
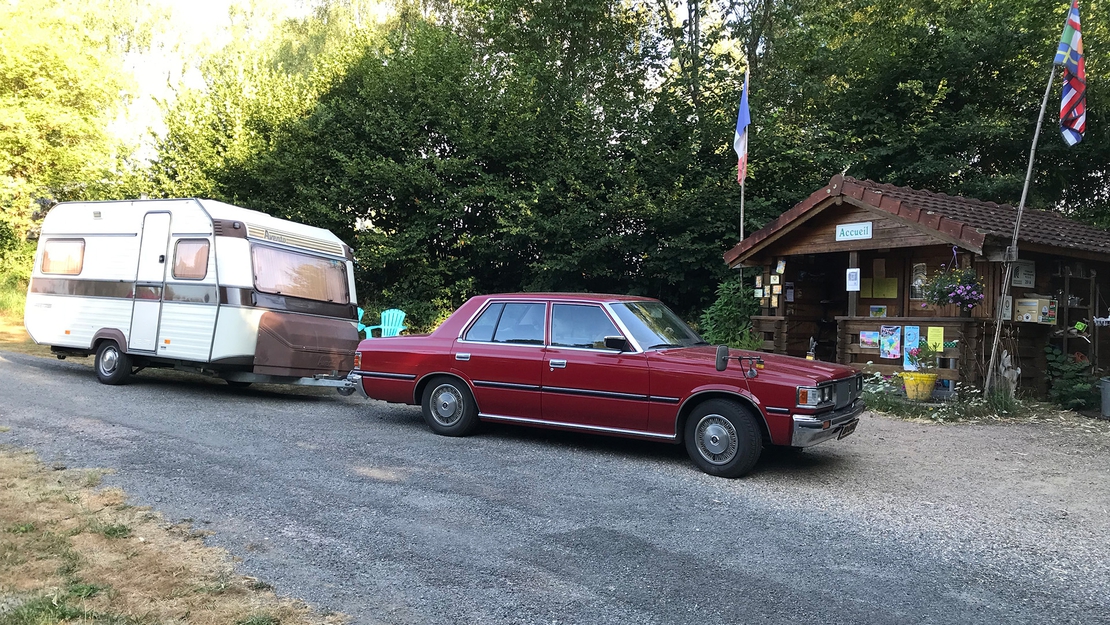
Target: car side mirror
(618,343)
(722,357)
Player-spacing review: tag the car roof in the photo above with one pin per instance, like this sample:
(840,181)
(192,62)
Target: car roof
(577,297)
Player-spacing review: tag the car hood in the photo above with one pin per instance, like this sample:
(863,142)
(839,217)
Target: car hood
(786,369)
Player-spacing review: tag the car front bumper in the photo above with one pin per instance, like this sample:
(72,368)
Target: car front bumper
(812,429)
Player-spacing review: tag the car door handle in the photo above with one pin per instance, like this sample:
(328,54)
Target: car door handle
(462,356)
(557,364)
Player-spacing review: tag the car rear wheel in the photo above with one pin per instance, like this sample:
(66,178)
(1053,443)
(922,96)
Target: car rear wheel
(112,365)
(722,438)
(449,408)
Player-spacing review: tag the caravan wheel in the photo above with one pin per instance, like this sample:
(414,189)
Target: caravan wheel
(112,365)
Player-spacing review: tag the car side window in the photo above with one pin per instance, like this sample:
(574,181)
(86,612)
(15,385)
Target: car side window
(580,325)
(483,327)
(521,323)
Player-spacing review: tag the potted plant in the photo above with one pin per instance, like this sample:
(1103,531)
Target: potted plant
(920,383)
(962,287)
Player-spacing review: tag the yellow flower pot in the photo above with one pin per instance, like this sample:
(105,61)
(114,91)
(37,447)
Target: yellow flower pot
(919,386)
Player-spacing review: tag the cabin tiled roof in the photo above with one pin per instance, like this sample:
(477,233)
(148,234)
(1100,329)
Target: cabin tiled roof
(966,221)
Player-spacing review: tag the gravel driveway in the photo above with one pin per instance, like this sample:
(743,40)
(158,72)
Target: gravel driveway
(355,506)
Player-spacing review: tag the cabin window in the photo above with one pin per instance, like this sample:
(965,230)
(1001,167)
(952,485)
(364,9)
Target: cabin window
(283,272)
(917,281)
(190,259)
(63,256)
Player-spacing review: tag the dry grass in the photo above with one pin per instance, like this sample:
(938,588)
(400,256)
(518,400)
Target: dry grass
(13,337)
(71,553)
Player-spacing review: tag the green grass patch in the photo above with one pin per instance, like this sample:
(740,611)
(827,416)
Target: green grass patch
(21,528)
(13,295)
(111,530)
(259,619)
(887,395)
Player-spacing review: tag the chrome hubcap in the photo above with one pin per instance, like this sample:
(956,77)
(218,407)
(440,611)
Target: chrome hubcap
(716,439)
(109,361)
(447,404)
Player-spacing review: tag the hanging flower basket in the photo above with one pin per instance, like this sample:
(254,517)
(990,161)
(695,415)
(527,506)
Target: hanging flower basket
(962,287)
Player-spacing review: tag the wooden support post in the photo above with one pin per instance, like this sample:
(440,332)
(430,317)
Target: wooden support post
(853,296)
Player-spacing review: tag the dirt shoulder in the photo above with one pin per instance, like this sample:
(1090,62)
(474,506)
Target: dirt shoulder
(72,551)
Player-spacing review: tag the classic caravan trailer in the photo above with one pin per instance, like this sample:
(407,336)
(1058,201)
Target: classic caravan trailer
(197,285)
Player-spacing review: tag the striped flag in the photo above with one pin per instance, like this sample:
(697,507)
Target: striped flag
(740,139)
(1073,106)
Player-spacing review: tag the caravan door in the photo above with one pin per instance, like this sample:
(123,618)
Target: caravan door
(149,282)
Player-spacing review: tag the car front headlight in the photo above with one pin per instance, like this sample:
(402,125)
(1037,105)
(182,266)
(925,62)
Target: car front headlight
(814,396)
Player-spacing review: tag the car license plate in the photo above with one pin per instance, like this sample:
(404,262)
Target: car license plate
(847,429)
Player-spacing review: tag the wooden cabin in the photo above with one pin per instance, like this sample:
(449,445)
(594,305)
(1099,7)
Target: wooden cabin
(897,236)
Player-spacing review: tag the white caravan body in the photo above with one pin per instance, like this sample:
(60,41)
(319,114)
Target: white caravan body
(195,284)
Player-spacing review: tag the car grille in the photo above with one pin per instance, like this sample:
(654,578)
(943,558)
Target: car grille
(846,392)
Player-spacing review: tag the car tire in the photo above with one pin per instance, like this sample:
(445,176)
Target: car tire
(112,365)
(449,407)
(723,438)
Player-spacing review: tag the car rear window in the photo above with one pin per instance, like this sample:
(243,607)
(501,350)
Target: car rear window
(509,323)
(483,328)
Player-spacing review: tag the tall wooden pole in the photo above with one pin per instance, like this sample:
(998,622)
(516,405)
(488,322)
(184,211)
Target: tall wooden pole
(742,211)
(1012,251)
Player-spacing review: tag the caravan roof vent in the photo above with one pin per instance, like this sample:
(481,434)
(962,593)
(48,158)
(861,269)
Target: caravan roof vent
(96,214)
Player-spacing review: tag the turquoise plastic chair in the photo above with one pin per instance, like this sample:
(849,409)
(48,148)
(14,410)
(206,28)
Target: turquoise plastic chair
(391,323)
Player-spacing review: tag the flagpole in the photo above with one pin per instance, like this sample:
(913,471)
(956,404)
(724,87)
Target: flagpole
(741,211)
(1012,252)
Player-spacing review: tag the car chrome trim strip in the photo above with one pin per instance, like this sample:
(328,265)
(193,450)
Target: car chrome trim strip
(592,393)
(665,400)
(506,385)
(777,410)
(385,375)
(577,426)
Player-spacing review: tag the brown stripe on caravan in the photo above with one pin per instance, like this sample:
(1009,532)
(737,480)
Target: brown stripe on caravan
(191,293)
(83,288)
(305,306)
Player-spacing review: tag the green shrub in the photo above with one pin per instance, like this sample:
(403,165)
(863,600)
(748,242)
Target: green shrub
(1071,384)
(728,320)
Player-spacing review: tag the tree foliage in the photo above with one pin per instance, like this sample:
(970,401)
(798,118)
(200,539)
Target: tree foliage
(62,80)
(501,145)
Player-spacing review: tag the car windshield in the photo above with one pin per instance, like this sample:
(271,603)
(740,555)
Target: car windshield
(654,326)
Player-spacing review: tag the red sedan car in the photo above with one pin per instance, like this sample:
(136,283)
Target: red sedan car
(619,365)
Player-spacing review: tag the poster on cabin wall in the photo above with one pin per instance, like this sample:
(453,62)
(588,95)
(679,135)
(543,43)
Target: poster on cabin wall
(869,340)
(913,339)
(890,341)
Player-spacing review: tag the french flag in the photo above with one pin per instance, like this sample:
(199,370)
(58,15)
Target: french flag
(740,139)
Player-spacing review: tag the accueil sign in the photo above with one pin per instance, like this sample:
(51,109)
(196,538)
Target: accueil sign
(853,232)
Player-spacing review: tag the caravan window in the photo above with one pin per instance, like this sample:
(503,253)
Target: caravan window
(283,272)
(190,259)
(64,256)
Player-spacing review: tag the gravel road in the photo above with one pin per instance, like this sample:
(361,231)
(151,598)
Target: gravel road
(356,507)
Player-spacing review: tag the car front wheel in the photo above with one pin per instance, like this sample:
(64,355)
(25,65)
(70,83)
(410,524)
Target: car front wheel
(449,408)
(112,365)
(722,438)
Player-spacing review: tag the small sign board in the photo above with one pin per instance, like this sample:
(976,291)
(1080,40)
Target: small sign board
(853,279)
(1024,274)
(853,232)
